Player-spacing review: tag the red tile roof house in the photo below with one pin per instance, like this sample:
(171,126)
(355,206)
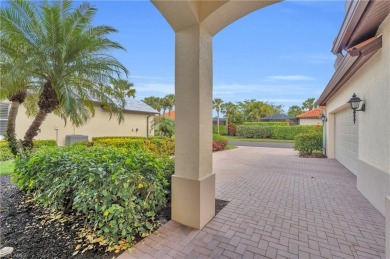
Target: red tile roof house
(311,117)
(360,140)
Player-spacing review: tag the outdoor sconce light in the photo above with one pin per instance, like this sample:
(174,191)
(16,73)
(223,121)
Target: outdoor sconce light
(323,117)
(354,102)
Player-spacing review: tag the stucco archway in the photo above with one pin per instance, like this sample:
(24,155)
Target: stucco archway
(195,23)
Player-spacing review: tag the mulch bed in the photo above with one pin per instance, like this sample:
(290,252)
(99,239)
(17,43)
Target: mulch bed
(23,227)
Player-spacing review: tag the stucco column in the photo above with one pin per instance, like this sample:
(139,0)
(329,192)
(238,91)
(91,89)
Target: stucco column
(193,185)
(330,126)
(387,215)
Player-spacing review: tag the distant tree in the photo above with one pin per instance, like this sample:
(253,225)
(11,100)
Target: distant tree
(253,110)
(229,109)
(154,102)
(170,102)
(308,104)
(217,103)
(163,126)
(294,110)
(121,88)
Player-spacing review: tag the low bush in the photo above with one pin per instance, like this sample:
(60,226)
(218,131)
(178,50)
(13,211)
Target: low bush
(157,146)
(307,143)
(219,142)
(119,192)
(276,132)
(222,129)
(266,124)
(232,130)
(6,154)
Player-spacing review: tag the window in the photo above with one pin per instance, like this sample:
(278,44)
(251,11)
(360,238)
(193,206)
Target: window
(4,108)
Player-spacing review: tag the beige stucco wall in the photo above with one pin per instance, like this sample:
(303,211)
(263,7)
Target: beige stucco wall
(372,84)
(310,122)
(99,125)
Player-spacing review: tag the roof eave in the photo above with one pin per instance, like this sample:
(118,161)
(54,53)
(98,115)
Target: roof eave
(349,66)
(352,17)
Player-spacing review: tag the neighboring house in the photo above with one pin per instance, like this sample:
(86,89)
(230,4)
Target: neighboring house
(137,122)
(222,121)
(279,117)
(362,47)
(171,115)
(311,117)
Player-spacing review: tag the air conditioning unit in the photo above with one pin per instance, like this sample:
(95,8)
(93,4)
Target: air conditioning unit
(71,139)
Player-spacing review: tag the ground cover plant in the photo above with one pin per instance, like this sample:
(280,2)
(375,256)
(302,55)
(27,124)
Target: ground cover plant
(119,193)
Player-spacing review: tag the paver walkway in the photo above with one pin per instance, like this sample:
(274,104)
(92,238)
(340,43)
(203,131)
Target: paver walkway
(281,206)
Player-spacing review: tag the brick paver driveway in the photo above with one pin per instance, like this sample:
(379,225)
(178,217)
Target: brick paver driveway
(281,206)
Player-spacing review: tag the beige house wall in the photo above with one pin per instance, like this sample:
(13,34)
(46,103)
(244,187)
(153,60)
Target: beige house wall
(310,122)
(100,125)
(372,84)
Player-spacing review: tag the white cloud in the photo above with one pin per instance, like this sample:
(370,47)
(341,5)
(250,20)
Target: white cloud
(292,78)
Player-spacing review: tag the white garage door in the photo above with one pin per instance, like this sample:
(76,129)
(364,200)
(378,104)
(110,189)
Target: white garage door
(346,139)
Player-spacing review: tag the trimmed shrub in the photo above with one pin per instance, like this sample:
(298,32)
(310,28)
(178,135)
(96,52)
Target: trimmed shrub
(6,154)
(118,192)
(219,142)
(307,143)
(222,129)
(266,124)
(157,146)
(232,130)
(254,131)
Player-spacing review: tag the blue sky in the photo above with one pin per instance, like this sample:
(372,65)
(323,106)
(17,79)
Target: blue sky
(280,54)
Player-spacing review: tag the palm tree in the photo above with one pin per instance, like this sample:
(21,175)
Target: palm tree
(170,102)
(154,102)
(217,102)
(229,109)
(14,87)
(68,54)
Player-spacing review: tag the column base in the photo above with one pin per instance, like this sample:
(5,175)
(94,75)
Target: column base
(193,201)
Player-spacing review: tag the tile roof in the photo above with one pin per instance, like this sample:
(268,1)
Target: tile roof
(312,114)
(138,106)
(172,115)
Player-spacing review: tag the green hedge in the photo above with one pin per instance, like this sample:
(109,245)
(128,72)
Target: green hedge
(307,143)
(6,154)
(265,124)
(254,131)
(157,146)
(284,132)
(222,129)
(119,192)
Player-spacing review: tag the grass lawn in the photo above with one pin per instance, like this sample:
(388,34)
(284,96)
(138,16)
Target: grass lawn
(235,138)
(6,167)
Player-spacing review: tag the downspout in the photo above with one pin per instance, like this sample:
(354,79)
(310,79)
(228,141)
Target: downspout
(147,125)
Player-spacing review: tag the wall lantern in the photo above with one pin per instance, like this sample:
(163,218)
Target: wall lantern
(354,102)
(323,117)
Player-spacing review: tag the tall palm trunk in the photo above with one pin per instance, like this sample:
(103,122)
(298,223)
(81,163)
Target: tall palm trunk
(16,100)
(48,102)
